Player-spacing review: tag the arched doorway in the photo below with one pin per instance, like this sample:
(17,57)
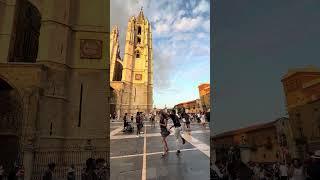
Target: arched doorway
(10,125)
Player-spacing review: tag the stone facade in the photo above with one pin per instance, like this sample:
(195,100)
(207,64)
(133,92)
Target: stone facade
(261,143)
(302,91)
(60,75)
(190,106)
(204,93)
(132,78)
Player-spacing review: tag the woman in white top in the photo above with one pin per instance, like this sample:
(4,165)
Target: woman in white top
(297,171)
(203,119)
(283,171)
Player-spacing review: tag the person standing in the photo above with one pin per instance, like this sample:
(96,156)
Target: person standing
(89,172)
(125,121)
(215,173)
(203,119)
(131,119)
(314,169)
(138,122)
(177,130)
(48,175)
(208,115)
(1,172)
(297,171)
(71,173)
(164,132)
(20,173)
(101,169)
(283,171)
(153,124)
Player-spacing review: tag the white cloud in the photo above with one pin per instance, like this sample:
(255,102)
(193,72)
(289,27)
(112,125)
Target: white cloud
(171,21)
(206,25)
(203,7)
(181,13)
(161,28)
(187,24)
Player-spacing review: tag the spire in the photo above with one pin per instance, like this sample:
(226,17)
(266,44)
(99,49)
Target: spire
(141,16)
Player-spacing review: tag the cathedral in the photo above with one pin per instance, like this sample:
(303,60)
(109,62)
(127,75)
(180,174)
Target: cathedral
(131,77)
(54,84)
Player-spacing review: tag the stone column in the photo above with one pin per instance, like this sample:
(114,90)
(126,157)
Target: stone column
(28,161)
(7,12)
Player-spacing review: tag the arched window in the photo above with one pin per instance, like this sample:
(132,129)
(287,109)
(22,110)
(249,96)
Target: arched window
(139,30)
(137,54)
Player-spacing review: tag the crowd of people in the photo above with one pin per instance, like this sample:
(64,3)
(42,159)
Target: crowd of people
(96,169)
(141,117)
(234,169)
(179,121)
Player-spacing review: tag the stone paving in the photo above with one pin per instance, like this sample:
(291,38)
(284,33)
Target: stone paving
(139,158)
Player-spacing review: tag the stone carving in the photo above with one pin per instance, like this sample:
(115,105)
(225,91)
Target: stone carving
(90,49)
(138,77)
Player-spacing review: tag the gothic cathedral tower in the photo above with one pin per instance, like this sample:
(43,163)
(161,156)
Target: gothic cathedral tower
(137,71)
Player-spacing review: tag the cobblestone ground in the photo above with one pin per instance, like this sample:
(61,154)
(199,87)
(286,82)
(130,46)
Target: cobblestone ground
(139,158)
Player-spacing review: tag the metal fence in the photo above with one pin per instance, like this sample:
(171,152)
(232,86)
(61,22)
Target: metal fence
(63,161)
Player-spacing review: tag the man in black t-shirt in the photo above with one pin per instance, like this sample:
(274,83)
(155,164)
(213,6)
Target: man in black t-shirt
(177,130)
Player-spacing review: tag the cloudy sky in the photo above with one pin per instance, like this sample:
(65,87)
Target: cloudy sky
(181,42)
(256,43)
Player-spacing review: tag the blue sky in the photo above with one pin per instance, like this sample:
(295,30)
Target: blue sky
(181,42)
(257,42)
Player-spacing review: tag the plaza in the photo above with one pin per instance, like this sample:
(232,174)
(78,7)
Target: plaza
(138,158)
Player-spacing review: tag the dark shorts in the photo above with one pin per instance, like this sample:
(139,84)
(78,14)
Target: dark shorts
(164,133)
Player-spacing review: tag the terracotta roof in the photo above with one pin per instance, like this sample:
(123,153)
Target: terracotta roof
(311,83)
(188,102)
(291,72)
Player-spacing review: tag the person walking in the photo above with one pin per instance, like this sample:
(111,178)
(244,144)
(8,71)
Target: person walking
(164,132)
(177,130)
(131,119)
(48,174)
(187,119)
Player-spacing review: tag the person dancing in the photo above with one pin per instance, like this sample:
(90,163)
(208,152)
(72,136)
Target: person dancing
(177,130)
(164,132)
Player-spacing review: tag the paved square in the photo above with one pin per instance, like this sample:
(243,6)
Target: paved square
(139,158)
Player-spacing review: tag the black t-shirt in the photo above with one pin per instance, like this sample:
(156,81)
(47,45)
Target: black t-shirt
(162,121)
(175,120)
(138,119)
